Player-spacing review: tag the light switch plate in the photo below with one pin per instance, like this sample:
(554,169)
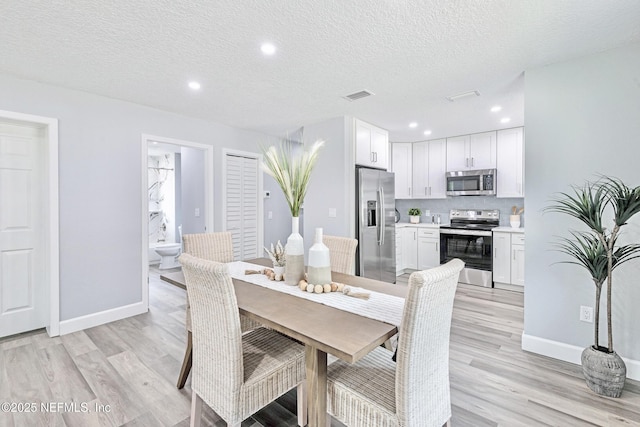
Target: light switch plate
(332,212)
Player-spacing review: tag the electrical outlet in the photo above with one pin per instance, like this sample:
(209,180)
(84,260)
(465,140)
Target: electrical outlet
(586,314)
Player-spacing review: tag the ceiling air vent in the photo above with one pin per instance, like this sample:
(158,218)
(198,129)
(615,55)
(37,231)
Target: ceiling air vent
(463,95)
(358,95)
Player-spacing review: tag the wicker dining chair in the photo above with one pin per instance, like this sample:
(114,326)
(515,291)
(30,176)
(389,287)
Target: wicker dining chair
(213,247)
(342,253)
(375,391)
(235,374)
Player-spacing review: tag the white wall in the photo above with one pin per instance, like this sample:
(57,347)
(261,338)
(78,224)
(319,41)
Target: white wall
(192,184)
(331,184)
(100,182)
(582,118)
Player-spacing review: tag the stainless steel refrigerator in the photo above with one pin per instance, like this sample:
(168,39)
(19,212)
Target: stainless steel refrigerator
(375,224)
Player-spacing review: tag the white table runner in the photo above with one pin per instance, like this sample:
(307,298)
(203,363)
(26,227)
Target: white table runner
(379,306)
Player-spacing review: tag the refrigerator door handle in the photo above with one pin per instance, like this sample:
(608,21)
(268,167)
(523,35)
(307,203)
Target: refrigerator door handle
(378,227)
(382,217)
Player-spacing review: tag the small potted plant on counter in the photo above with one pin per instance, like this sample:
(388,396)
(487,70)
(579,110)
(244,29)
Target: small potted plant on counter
(414,215)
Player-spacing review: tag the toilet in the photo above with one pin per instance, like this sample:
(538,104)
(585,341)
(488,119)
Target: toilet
(168,253)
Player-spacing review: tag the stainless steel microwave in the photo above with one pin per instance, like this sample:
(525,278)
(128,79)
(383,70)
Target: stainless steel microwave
(472,183)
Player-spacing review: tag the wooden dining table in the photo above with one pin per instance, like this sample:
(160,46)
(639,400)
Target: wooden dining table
(321,328)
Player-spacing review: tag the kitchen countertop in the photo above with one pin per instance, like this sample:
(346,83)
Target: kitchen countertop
(419,225)
(509,229)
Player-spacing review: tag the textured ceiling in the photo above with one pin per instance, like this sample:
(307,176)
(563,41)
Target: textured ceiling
(411,54)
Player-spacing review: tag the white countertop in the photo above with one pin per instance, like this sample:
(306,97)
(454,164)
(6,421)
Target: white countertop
(419,225)
(509,229)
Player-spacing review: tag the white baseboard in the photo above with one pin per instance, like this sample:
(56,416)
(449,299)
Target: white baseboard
(102,317)
(569,353)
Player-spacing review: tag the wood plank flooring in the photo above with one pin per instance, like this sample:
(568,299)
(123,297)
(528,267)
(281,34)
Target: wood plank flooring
(132,366)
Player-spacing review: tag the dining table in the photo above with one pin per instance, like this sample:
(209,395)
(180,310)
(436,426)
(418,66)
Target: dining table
(321,328)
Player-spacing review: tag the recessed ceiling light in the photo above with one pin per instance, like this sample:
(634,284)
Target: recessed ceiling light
(505,120)
(427,132)
(496,108)
(413,125)
(194,85)
(268,48)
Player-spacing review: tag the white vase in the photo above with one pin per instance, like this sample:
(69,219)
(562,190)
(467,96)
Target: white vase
(279,272)
(294,255)
(414,219)
(319,269)
(514,220)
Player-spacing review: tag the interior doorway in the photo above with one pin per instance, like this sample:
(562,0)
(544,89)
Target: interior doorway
(177,195)
(29,258)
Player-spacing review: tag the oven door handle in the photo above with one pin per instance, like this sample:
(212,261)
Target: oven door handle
(465,232)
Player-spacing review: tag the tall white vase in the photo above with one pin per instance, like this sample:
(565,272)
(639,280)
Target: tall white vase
(319,269)
(294,255)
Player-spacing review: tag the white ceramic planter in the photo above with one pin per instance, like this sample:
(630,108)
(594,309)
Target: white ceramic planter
(414,219)
(294,255)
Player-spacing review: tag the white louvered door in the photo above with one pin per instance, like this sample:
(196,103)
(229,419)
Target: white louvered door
(242,205)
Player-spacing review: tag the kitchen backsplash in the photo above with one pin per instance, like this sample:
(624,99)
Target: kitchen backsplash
(443,206)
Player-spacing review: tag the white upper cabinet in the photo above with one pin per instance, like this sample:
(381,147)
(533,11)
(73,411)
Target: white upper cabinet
(429,168)
(469,152)
(510,163)
(401,167)
(372,145)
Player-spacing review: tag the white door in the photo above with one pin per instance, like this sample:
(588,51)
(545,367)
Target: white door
(23,290)
(242,205)
(501,260)
(482,150)
(401,167)
(437,169)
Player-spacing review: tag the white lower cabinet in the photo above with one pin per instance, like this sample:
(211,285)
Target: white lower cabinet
(517,260)
(428,248)
(508,260)
(399,261)
(410,247)
(420,247)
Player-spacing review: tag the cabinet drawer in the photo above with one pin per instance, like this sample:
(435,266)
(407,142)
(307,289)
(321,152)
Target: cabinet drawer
(425,232)
(517,239)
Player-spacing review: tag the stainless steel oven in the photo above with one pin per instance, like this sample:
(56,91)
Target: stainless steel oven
(469,238)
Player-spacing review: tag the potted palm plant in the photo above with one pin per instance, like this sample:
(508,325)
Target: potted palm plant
(599,252)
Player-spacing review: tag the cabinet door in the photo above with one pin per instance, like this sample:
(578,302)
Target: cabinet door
(482,150)
(437,169)
(502,257)
(428,253)
(401,167)
(517,265)
(420,170)
(399,261)
(380,148)
(457,156)
(510,163)
(364,155)
(410,248)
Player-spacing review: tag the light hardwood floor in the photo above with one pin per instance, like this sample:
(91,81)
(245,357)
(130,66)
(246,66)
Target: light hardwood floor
(132,365)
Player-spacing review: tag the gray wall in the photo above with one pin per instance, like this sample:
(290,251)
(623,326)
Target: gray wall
(279,226)
(192,190)
(332,180)
(100,185)
(443,206)
(582,118)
